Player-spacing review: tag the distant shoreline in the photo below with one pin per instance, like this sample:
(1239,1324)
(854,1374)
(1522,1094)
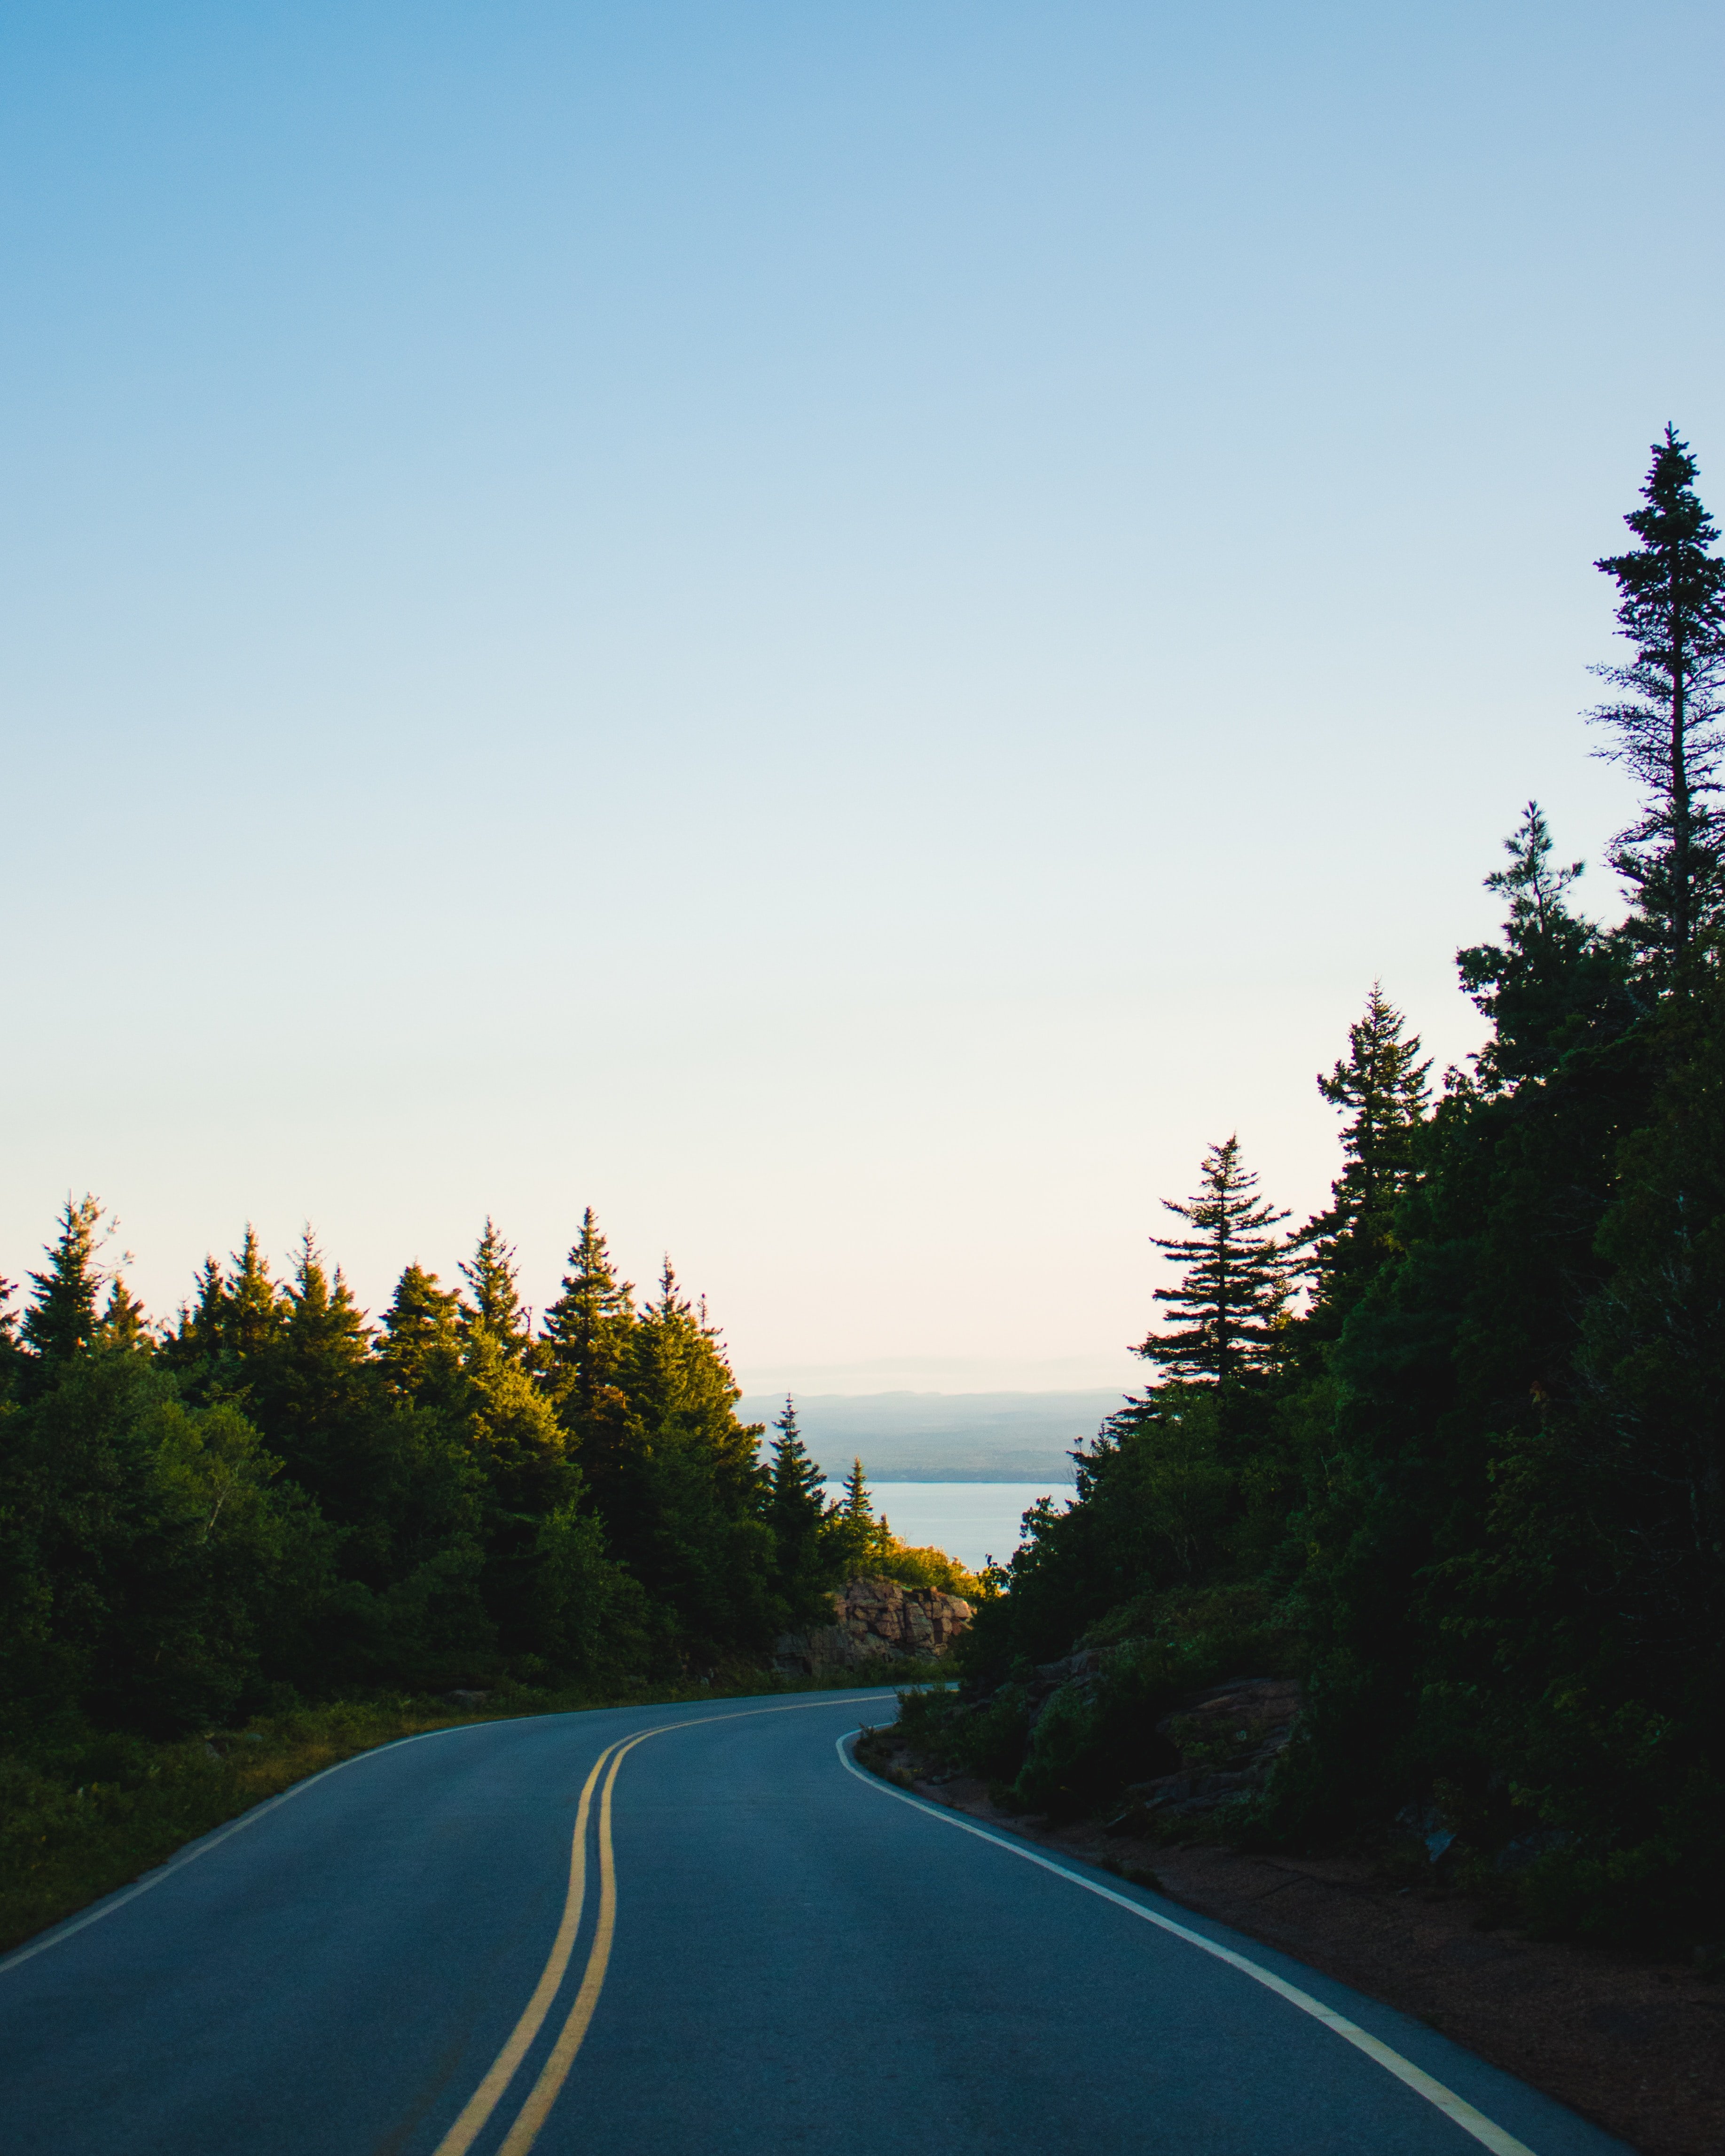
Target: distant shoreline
(948,1474)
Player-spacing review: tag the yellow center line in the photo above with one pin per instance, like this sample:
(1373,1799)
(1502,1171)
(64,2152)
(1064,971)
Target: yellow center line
(485,2099)
(555,2071)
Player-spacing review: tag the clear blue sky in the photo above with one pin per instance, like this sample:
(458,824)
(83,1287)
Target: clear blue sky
(843,630)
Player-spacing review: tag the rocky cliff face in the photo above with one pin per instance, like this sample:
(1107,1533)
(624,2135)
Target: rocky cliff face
(876,1620)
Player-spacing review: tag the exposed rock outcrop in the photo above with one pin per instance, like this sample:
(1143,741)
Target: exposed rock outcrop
(876,1620)
(1227,1739)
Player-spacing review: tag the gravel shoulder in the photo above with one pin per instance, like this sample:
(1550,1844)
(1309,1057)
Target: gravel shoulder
(1635,2045)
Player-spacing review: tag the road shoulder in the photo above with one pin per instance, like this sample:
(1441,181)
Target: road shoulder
(1634,2044)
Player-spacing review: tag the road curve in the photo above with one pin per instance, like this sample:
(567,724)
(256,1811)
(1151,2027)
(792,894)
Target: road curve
(658,1931)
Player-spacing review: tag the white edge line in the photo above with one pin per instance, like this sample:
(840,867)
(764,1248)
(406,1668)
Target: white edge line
(56,1934)
(1454,2107)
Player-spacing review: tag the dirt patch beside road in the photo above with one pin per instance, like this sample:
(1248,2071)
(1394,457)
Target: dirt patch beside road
(1635,2044)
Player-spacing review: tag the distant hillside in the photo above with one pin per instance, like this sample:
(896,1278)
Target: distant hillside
(944,1437)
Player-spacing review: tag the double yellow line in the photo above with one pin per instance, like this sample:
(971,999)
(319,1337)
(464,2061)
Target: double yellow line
(490,2092)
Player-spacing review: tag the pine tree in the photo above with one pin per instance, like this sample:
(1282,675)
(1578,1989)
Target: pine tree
(856,1507)
(254,1311)
(678,1479)
(796,1509)
(1382,1083)
(1666,717)
(421,1348)
(196,1339)
(1233,1290)
(1555,983)
(306,1367)
(496,1305)
(125,1323)
(856,1541)
(61,1322)
(587,1328)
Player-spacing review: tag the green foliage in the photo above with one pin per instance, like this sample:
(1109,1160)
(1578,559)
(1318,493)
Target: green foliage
(152,1568)
(920,1565)
(1665,721)
(61,1322)
(1474,1493)
(800,1516)
(1227,1309)
(1381,1083)
(278,1493)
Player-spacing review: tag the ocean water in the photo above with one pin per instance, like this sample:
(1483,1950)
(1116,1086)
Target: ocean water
(969,1521)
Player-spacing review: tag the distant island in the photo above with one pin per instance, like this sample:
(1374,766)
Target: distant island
(944,1437)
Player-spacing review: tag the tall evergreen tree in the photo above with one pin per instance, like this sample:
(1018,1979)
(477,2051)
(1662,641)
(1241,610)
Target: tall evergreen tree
(1555,983)
(797,1511)
(1665,718)
(856,1541)
(125,1322)
(327,1337)
(496,1303)
(683,1502)
(421,1347)
(61,1322)
(254,1311)
(1225,1312)
(1381,1086)
(587,1329)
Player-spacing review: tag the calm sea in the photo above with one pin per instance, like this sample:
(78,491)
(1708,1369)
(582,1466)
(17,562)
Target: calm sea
(969,1521)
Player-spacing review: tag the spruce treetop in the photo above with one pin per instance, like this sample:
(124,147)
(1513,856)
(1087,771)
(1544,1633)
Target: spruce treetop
(587,1328)
(1382,1085)
(61,1321)
(323,1319)
(795,1485)
(1665,720)
(1226,1313)
(422,1340)
(1554,982)
(496,1305)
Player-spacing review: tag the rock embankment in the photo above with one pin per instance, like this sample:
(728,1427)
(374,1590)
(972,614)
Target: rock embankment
(876,1620)
(1228,1739)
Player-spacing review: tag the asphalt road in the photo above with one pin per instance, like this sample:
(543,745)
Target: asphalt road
(723,1936)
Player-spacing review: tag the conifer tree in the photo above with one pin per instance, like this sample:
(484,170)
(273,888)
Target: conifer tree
(694,1475)
(496,1305)
(125,1323)
(1555,982)
(1666,717)
(196,1339)
(229,1340)
(857,1541)
(421,1348)
(326,1332)
(587,1328)
(61,1322)
(797,1511)
(1381,1083)
(856,1507)
(1233,1288)
(253,1310)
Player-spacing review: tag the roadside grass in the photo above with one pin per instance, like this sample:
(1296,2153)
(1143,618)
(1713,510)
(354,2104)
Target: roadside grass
(84,1813)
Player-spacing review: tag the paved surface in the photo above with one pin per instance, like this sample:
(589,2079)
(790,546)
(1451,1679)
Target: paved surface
(751,1947)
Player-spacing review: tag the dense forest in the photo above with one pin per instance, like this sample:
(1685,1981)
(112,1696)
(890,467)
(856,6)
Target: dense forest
(1450,1451)
(271,1499)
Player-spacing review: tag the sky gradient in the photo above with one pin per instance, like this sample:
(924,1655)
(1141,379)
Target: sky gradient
(843,631)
